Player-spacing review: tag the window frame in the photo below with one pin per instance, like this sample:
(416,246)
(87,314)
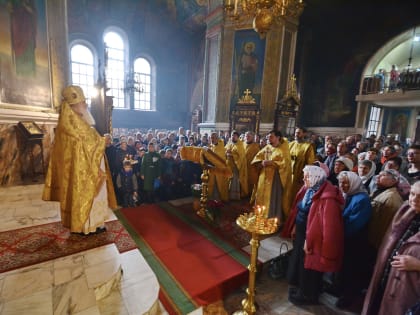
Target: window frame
(152,82)
(92,49)
(374,123)
(126,49)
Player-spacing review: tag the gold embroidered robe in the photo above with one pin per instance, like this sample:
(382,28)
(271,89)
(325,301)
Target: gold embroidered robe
(301,154)
(218,180)
(251,151)
(238,160)
(75,177)
(281,157)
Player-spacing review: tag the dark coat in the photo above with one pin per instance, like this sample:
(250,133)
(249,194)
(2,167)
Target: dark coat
(402,289)
(150,169)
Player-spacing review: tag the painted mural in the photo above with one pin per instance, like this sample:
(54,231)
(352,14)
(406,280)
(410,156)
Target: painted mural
(24,66)
(248,63)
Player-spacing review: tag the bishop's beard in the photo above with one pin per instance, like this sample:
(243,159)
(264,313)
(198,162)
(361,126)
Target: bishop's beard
(88,118)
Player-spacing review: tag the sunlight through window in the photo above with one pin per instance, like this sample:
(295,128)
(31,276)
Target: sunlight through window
(115,67)
(82,70)
(142,96)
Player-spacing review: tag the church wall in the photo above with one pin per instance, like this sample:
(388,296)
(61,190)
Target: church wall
(333,48)
(30,87)
(151,28)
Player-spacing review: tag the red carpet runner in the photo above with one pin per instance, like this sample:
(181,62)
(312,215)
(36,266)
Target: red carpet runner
(193,266)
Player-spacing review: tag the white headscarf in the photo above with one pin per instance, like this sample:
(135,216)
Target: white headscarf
(316,175)
(355,183)
(372,170)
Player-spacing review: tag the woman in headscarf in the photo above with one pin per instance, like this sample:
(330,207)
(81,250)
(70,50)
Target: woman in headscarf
(316,224)
(356,215)
(395,284)
(366,170)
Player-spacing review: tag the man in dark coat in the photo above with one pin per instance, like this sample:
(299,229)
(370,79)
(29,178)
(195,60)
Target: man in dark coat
(150,172)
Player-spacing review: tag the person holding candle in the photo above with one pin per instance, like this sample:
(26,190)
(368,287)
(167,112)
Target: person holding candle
(273,186)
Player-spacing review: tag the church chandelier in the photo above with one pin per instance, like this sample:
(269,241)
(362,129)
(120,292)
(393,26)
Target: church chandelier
(263,12)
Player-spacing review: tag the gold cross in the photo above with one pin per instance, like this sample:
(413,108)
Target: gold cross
(247,92)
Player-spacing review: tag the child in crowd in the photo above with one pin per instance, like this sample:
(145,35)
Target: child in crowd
(127,185)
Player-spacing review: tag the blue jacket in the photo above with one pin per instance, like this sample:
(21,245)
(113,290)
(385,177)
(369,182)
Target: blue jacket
(356,214)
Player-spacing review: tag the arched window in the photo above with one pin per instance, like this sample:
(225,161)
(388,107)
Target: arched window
(143,78)
(83,70)
(115,74)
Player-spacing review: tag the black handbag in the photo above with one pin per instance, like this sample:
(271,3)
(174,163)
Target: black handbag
(278,266)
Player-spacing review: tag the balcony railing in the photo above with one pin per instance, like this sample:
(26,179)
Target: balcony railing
(407,81)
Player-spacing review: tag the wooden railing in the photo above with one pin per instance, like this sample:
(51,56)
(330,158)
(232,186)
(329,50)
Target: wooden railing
(408,81)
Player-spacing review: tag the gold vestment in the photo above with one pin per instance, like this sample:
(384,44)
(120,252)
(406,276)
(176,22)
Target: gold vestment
(238,160)
(217,180)
(281,157)
(301,153)
(251,151)
(74,176)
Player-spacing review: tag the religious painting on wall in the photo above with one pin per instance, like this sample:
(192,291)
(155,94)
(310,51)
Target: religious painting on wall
(24,59)
(248,64)
(397,123)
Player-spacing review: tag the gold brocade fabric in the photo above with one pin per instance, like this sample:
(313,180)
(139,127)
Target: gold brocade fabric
(281,157)
(251,151)
(217,180)
(238,160)
(301,153)
(73,177)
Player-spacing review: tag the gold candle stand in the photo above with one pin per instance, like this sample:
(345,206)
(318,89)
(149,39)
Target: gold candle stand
(257,225)
(204,192)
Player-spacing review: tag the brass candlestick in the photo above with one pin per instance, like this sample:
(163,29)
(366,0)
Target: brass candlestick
(204,192)
(258,225)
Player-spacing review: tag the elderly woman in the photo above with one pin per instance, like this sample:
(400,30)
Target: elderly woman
(316,224)
(356,214)
(395,284)
(366,170)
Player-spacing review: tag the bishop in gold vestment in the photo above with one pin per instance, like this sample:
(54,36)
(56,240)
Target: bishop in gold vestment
(273,188)
(77,174)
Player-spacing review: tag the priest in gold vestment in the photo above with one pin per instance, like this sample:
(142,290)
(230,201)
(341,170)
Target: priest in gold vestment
(218,185)
(77,174)
(251,150)
(273,188)
(302,153)
(235,157)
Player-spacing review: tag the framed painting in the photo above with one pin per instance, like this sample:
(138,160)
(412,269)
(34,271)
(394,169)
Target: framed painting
(248,64)
(24,53)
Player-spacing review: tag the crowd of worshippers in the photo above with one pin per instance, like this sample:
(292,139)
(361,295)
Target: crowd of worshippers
(355,185)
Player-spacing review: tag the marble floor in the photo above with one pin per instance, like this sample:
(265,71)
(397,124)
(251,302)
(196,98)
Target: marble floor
(102,281)
(93,282)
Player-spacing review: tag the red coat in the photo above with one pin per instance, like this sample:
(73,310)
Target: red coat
(324,229)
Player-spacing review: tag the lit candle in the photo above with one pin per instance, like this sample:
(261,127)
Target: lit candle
(275,221)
